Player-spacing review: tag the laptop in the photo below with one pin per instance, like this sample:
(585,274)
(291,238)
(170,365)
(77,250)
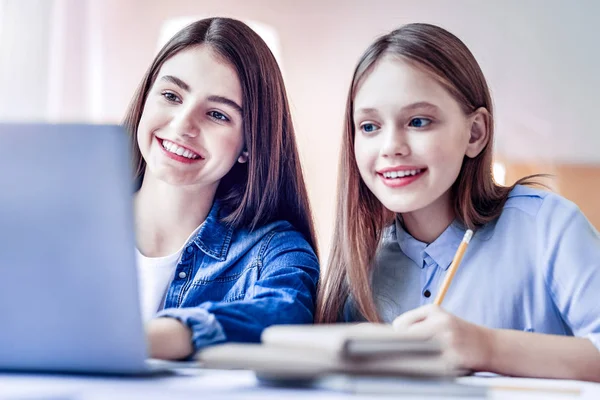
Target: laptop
(68,282)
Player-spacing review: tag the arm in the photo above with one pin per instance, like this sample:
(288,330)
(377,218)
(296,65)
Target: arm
(284,293)
(503,351)
(542,356)
(569,253)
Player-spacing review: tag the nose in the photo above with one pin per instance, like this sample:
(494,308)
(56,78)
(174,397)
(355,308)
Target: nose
(185,123)
(395,143)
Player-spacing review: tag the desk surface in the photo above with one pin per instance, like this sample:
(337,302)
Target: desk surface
(214,384)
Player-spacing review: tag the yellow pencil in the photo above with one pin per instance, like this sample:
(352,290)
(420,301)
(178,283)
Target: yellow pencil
(453,267)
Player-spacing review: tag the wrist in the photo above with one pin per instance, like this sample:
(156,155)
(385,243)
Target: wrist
(489,351)
(168,338)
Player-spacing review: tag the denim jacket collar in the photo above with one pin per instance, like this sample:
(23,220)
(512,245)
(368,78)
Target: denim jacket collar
(214,236)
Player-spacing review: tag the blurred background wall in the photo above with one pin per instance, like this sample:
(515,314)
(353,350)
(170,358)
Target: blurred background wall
(81,60)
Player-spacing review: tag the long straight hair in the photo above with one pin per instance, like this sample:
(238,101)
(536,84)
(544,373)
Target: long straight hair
(361,218)
(270,186)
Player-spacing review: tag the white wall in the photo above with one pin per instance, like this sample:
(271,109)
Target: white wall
(23,58)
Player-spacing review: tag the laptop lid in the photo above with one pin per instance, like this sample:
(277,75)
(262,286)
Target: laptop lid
(68,283)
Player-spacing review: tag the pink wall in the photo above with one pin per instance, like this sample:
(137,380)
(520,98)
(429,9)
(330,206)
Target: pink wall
(537,61)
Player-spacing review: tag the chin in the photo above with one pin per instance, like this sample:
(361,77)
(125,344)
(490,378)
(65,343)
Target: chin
(403,207)
(173,179)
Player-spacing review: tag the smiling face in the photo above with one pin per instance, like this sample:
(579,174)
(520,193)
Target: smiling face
(411,136)
(190,132)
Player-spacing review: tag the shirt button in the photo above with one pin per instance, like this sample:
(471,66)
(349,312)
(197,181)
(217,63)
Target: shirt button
(182,274)
(427,293)
(189,249)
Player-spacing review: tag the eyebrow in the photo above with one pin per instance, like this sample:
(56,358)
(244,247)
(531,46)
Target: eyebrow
(226,101)
(420,104)
(410,107)
(366,111)
(176,81)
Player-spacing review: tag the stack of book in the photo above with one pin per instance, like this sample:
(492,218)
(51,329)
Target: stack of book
(309,351)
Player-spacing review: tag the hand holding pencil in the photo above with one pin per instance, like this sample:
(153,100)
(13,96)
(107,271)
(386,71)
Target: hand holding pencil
(466,342)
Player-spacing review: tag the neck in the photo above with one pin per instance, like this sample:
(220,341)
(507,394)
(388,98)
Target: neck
(166,215)
(428,223)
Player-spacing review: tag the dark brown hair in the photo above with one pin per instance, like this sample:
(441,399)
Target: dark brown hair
(270,186)
(361,218)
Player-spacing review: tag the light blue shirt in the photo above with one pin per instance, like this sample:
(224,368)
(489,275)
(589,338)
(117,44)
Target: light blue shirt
(536,268)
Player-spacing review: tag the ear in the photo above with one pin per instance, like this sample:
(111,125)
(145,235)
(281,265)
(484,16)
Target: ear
(243,158)
(479,132)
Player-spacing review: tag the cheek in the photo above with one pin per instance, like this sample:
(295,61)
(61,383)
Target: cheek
(228,145)
(142,135)
(447,159)
(442,155)
(443,150)
(151,120)
(150,115)
(141,141)
(145,121)
(365,153)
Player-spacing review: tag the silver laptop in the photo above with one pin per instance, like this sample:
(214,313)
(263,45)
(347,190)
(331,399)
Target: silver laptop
(68,283)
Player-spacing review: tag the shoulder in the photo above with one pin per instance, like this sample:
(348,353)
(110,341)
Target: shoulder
(539,204)
(546,214)
(530,214)
(277,236)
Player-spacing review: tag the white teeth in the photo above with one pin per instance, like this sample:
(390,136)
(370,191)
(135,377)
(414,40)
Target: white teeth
(180,151)
(401,174)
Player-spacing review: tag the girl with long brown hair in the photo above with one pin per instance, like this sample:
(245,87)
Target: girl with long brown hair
(225,238)
(415,173)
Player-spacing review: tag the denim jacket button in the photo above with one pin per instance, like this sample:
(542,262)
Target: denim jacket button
(182,274)
(189,249)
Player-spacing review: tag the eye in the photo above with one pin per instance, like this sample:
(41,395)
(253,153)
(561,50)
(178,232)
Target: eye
(368,127)
(171,97)
(419,122)
(219,116)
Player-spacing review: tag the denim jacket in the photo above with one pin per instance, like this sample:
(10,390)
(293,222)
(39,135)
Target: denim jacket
(231,284)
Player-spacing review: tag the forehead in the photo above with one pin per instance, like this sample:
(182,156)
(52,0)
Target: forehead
(394,82)
(205,71)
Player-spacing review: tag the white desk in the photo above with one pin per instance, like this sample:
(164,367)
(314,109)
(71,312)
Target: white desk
(213,384)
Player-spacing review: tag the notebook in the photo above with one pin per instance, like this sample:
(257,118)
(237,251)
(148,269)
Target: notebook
(289,352)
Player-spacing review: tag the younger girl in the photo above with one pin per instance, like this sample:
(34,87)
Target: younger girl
(225,237)
(415,173)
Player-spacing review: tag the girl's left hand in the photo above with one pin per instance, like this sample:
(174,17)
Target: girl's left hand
(168,339)
(467,344)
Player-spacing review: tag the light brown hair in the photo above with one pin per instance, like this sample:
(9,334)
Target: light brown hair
(270,186)
(361,218)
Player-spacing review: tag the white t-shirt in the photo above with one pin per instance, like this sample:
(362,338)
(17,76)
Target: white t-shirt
(154,276)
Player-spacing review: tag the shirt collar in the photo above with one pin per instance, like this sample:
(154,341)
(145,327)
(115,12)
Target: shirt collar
(410,246)
(441,251)
(214,236)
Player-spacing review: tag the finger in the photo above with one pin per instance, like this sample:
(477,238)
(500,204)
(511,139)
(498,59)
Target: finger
(425,329)
(413,316)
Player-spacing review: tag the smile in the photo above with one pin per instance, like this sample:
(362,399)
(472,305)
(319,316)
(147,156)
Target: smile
(177,150)
(401,174)
(400,178)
